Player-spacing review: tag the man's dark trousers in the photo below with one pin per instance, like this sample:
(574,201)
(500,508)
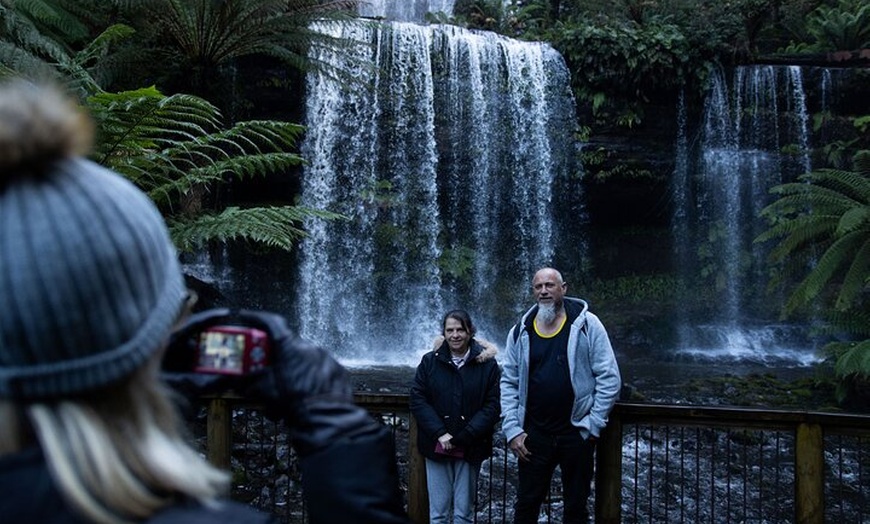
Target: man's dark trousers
(575,457)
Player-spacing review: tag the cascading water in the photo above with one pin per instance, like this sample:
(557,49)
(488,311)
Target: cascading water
(754,136)
(443,155)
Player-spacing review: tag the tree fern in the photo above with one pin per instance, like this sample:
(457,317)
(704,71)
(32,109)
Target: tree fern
(822,225)
(171,146)
(202,35)
(176,148)
(845,26)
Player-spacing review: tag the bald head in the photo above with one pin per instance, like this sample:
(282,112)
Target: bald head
(548,273)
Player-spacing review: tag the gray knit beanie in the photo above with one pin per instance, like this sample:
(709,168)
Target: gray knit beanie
(90,285)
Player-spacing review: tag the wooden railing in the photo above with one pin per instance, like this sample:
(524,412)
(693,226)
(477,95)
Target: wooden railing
(807,429)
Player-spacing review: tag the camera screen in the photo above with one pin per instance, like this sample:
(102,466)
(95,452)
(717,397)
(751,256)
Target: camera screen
(222,351)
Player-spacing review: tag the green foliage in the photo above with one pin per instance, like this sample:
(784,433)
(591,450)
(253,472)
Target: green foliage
(270,226)
(199,38)
(852,362)
(457,262)
(862,123)
(480,14)
(52,19)
(822,225)
(828,211)
(175,149)
(26,51)
(637,289)
(841,27)
(845,26)
(618,66)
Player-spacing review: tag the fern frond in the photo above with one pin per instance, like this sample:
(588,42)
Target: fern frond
(101,44)
(857,277)
(21,31)
(795,195)
(206,34)
(833,260)
(271,226)
(855,218)
(855,361)
(254,136)
(854,185)
(249,165)
(862,163)
(799,233)
(853,322)
(53,20)
(144,120)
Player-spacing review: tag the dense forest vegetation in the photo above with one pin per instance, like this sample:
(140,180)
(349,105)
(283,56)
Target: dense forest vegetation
(183,94)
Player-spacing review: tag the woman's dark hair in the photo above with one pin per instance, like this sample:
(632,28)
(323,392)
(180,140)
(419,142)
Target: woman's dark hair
(463,317)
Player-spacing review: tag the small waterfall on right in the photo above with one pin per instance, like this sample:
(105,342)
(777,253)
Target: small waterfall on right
(754,134)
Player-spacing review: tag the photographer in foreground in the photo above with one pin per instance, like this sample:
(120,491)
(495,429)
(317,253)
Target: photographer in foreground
(90,291)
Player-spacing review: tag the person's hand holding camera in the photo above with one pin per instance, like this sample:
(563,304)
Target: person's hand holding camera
(348,459)
(303,384)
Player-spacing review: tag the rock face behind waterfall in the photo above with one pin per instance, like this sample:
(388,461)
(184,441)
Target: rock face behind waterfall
(405,10)
(444,154)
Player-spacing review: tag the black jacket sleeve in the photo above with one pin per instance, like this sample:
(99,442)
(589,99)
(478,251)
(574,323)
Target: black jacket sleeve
(354,481)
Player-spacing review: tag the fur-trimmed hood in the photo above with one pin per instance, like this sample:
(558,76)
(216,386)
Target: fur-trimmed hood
(488,350)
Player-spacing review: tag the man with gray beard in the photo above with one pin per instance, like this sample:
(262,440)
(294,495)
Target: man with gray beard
(559,382)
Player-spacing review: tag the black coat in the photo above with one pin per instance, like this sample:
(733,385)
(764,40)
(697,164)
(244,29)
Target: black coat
(463,402)
(29,495)
(353,481)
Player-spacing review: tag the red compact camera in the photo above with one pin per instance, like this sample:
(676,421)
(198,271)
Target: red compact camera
(232,350)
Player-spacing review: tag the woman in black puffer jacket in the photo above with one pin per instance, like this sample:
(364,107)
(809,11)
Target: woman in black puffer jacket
(455,400)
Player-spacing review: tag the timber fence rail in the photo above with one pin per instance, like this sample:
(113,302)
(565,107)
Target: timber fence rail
(655,464)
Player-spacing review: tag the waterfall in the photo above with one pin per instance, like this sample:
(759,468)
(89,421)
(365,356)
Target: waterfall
(681,191)
(442,155)
(754,135)
(826,88)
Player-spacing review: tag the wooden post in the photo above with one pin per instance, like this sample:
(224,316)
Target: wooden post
(608,473)
(418,493)
(809,466)
(219,432)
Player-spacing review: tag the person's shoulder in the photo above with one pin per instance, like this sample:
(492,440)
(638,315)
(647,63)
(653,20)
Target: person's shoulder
(220,511)
(488,350)
(432,353)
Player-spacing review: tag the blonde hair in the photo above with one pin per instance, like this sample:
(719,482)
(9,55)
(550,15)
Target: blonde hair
(117,455)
